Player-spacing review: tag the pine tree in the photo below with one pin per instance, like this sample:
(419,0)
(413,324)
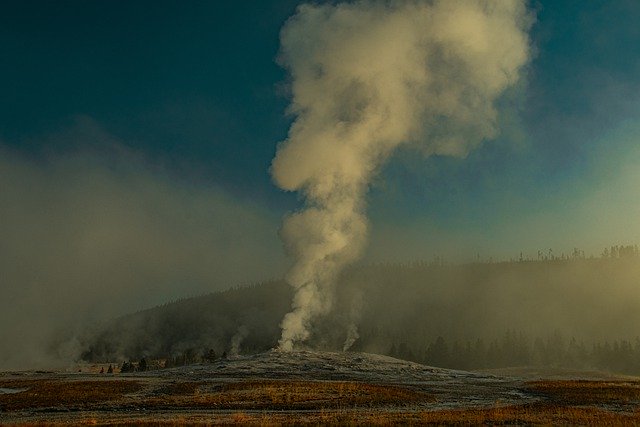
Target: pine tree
(438,353)
(142,365)
(210,356)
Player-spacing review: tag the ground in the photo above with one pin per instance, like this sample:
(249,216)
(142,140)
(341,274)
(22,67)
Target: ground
(318,387)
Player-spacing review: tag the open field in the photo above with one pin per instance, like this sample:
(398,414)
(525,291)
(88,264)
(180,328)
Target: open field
(315,388)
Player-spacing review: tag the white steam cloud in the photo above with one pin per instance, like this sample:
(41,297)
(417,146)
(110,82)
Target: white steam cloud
(367,77)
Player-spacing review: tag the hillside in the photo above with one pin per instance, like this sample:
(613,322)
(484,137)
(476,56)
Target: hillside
(484,315)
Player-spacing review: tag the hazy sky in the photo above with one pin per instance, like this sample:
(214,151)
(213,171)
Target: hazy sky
(169,110)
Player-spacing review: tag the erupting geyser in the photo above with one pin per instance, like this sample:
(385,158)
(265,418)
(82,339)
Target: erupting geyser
(366,77)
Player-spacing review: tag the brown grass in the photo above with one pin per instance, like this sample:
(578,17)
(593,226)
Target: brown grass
(528,415)
(285,395)
(63,393)
(563,402)
(581,392)
(318,402)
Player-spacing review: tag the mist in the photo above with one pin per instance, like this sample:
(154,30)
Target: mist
(576,312)
(591,212)
(96,230)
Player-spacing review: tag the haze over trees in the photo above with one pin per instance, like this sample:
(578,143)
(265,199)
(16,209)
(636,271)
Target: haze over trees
(563,311)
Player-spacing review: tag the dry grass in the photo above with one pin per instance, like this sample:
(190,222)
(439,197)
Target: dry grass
(317,402)
(529,415)
(563,402)
(285,395)
(589,392)
(63,393)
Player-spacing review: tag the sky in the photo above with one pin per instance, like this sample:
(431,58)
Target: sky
(136,140)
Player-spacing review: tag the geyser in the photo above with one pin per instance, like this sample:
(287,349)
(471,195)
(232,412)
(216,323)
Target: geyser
(367,77)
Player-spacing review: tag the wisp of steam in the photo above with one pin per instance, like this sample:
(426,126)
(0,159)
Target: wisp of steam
(366,77)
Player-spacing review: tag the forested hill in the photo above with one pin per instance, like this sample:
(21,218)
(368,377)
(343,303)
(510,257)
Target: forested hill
(425,312)
(209,321)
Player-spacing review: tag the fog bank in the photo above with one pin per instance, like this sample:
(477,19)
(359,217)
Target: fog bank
(96,230)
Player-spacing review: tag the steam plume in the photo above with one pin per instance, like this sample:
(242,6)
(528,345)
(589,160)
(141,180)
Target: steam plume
(354,317)
(366,77)
(237,339)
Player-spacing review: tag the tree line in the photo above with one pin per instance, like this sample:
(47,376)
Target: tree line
(403,309)
(515,349)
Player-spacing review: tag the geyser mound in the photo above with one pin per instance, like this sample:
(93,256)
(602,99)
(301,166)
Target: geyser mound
(447,387)
(323,365)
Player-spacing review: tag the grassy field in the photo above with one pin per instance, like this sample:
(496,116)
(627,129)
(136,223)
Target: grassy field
(285,395)
(63,394)
(153,401)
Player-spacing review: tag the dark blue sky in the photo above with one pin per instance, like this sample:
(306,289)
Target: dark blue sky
(194,86)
